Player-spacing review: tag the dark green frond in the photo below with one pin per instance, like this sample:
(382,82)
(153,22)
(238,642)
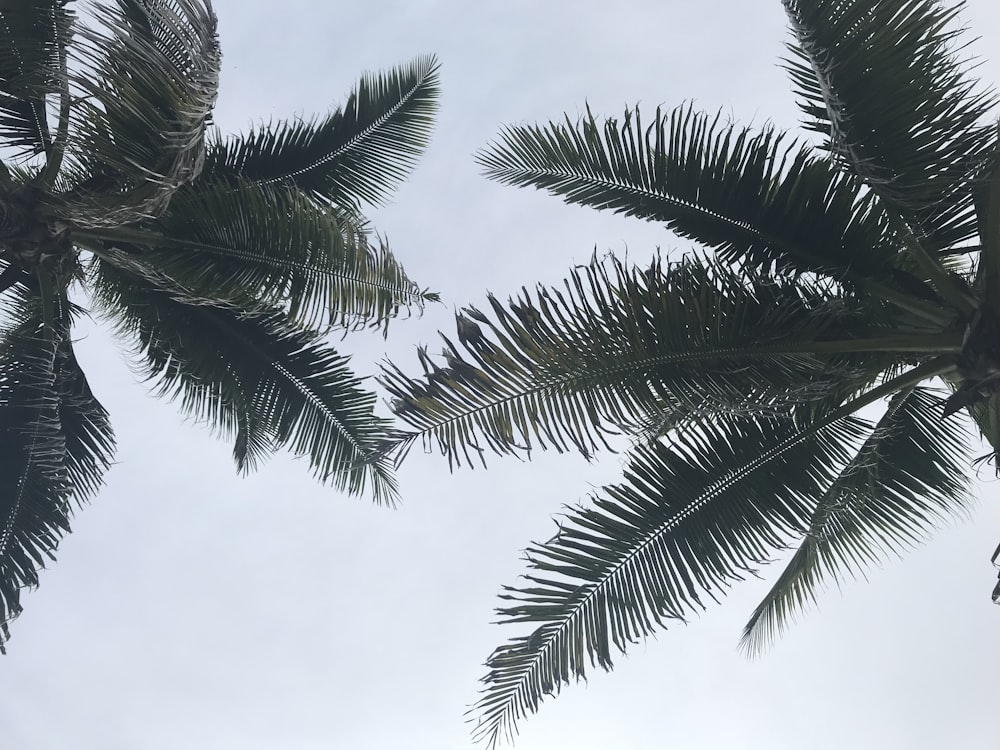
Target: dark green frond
(33,36)
(689,519)
(620,349)
(263,245)
(33,39)
(695,513)
(987,203)
(90,443)
(908,476)
(883,81)
(147,83)
(757,198)
(986,415)
(252,376)
(55,443)
(358,153)
(33,487)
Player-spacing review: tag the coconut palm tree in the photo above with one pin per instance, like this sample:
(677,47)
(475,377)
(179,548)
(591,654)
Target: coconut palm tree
(804,382)
(220,261)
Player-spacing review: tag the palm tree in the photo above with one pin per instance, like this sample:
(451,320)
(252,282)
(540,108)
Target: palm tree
(859,274)
(220,261)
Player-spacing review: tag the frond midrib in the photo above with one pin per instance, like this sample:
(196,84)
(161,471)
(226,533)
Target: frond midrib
(636,190)
(299,386)
(949,342)
(352,143)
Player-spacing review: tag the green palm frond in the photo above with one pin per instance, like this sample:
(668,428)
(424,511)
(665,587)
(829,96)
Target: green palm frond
(252,376)
(692,516)
(33,39)
(89,439)
(32,480)
(986,415)
(55,443)
(908,476)
(621,349)
(758,198)
(255,245)
(358,153)
(987,205)
(147,83)
(884,83)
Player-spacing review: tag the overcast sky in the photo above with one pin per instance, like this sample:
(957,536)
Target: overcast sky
(195,609)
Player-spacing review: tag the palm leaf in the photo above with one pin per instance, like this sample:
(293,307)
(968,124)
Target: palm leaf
(758,198)
(55,444)
(33,485)
(252,376)
(907,476)
(33,39)
(357,153)
(622,349)
(986,415)
(987,204)
(147,83)
(89,439)
(254,245)
(884,83)
(692,516)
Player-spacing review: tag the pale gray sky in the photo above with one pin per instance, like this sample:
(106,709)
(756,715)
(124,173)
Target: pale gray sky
(194,609)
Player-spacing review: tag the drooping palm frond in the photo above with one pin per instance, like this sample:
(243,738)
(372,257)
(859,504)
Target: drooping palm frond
(33,485)
(358,153)
(757,198)
(987,206)
(908,476)
(884,83)
(986,415)
(254,245)
(252,376)
(620,348)
(146,85)
(33,490)
(33,39)
(89,439)
(55,443)
(693,515)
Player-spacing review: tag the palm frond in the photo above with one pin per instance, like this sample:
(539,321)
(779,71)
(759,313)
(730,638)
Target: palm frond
(89,439)
(146,80)
(907,477)
(273,246)
(986,415)
(252,376)
(758,198)
(33,39)
(987,205)
(884,83)
(693,515)
(358,153)
(55,443)
(620,349)
(33,485)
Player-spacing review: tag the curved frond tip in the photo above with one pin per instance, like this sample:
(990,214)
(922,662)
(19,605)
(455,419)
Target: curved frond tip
(356,154)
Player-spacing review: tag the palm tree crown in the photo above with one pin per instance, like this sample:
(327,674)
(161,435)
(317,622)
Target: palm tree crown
(860,272)
(220,261)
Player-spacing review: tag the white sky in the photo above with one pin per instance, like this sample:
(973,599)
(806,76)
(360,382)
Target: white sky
(194,609)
